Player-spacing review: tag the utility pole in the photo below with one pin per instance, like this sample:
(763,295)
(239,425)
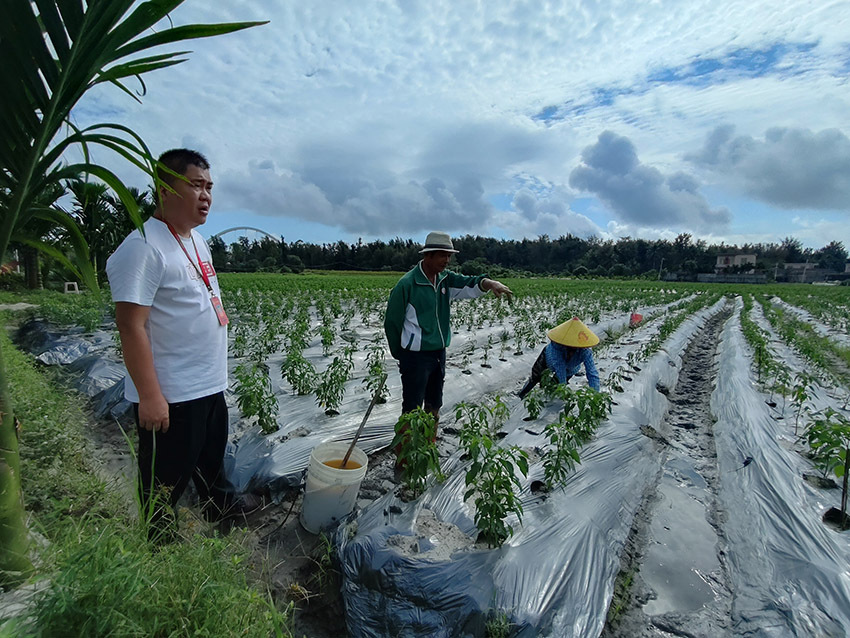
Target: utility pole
(660,266)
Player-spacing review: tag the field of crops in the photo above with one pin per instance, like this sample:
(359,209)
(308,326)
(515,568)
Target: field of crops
(701,493)
(692,498)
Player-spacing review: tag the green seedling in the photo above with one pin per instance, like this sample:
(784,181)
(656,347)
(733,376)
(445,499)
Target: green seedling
(487,349)
(533,402)
(492,476)
(331,387)
(415,434)
(255,397)
(800,394)
(376,370)
(299,372)
(828,437)
(562,454)
(584,410)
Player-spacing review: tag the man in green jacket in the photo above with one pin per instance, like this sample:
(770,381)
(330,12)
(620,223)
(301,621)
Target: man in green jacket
(417,321)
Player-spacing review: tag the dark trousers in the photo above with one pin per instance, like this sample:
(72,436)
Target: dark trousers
(193,448)
(536,374)
(422,376)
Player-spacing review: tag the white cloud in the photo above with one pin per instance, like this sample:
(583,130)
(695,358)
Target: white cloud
(546,213)
(641,194)
(392,117)
(790,168)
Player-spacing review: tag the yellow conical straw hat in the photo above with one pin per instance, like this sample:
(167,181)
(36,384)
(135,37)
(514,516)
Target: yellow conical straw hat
(573,333)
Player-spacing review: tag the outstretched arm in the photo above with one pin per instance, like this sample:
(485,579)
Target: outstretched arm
(497,287)
(138,357)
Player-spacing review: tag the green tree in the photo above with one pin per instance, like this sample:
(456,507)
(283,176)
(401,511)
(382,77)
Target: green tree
(294,263)
(475,266)
(53,53)
(37,237)
(792,250)
(580,271)
(832,256)
(218,250)
(93,212)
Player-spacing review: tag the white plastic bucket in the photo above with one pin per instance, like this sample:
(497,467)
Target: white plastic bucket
(330,493)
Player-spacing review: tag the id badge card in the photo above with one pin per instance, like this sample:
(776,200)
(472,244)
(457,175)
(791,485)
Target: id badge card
(219,311)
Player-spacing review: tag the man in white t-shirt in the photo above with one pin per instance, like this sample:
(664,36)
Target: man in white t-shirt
(174,337)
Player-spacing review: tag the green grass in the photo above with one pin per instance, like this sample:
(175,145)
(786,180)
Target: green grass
(109,583)
(86,309)
(105,579)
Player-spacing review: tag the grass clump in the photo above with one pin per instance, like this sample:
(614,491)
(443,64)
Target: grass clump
(57,476)
(110,583)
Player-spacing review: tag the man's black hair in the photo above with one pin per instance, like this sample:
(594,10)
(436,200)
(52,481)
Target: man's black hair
(179,160)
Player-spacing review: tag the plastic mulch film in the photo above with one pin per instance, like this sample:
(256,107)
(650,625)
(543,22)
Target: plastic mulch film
(788,570)
(829,332)
(277,461)
(95,369)
(407,570)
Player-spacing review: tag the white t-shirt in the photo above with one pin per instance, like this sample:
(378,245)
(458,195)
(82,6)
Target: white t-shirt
(188,343)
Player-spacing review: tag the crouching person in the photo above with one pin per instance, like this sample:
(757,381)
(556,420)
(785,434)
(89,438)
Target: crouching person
(568,350)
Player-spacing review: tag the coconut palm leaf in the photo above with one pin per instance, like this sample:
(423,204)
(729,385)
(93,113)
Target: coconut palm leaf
(52,52)
(57,50)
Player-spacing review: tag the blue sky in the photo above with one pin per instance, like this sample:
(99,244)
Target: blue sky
(724,119)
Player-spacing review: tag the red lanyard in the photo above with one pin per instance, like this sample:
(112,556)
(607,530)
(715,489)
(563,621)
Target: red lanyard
(199,267)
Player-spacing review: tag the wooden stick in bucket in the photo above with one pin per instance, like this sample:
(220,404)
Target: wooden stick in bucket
(363,422)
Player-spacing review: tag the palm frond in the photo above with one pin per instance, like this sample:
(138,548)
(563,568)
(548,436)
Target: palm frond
(53,51)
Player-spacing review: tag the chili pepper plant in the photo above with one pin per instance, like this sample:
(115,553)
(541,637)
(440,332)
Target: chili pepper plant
(415,434)
(255,397)
(828,437)
(492,476)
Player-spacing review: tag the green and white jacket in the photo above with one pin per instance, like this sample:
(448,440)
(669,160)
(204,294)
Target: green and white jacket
(418,311)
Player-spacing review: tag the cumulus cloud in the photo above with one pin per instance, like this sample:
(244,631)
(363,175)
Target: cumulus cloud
(639,194)
(265,190)
(356,204)
(790,167)
(387,118)
(547,213)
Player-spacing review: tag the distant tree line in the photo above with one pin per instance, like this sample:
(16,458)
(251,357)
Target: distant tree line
(103,222)
(566,255)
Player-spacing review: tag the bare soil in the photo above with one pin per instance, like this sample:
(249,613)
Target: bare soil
(673,579)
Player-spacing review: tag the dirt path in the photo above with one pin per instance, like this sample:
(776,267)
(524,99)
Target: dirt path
(673,580)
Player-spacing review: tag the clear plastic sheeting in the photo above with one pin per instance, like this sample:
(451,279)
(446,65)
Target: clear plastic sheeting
(277,461)
(555,576)
(787,569)
(95,368)
(839,336)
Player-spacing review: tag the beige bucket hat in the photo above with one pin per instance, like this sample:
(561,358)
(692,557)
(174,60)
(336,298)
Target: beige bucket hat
(438,240)
(573,333)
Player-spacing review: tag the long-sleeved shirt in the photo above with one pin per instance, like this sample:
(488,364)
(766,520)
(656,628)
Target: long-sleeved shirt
(417,316)
(565,362)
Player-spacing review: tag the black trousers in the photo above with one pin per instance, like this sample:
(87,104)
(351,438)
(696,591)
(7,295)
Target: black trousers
(422,376)
(536,374)
(193,448)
